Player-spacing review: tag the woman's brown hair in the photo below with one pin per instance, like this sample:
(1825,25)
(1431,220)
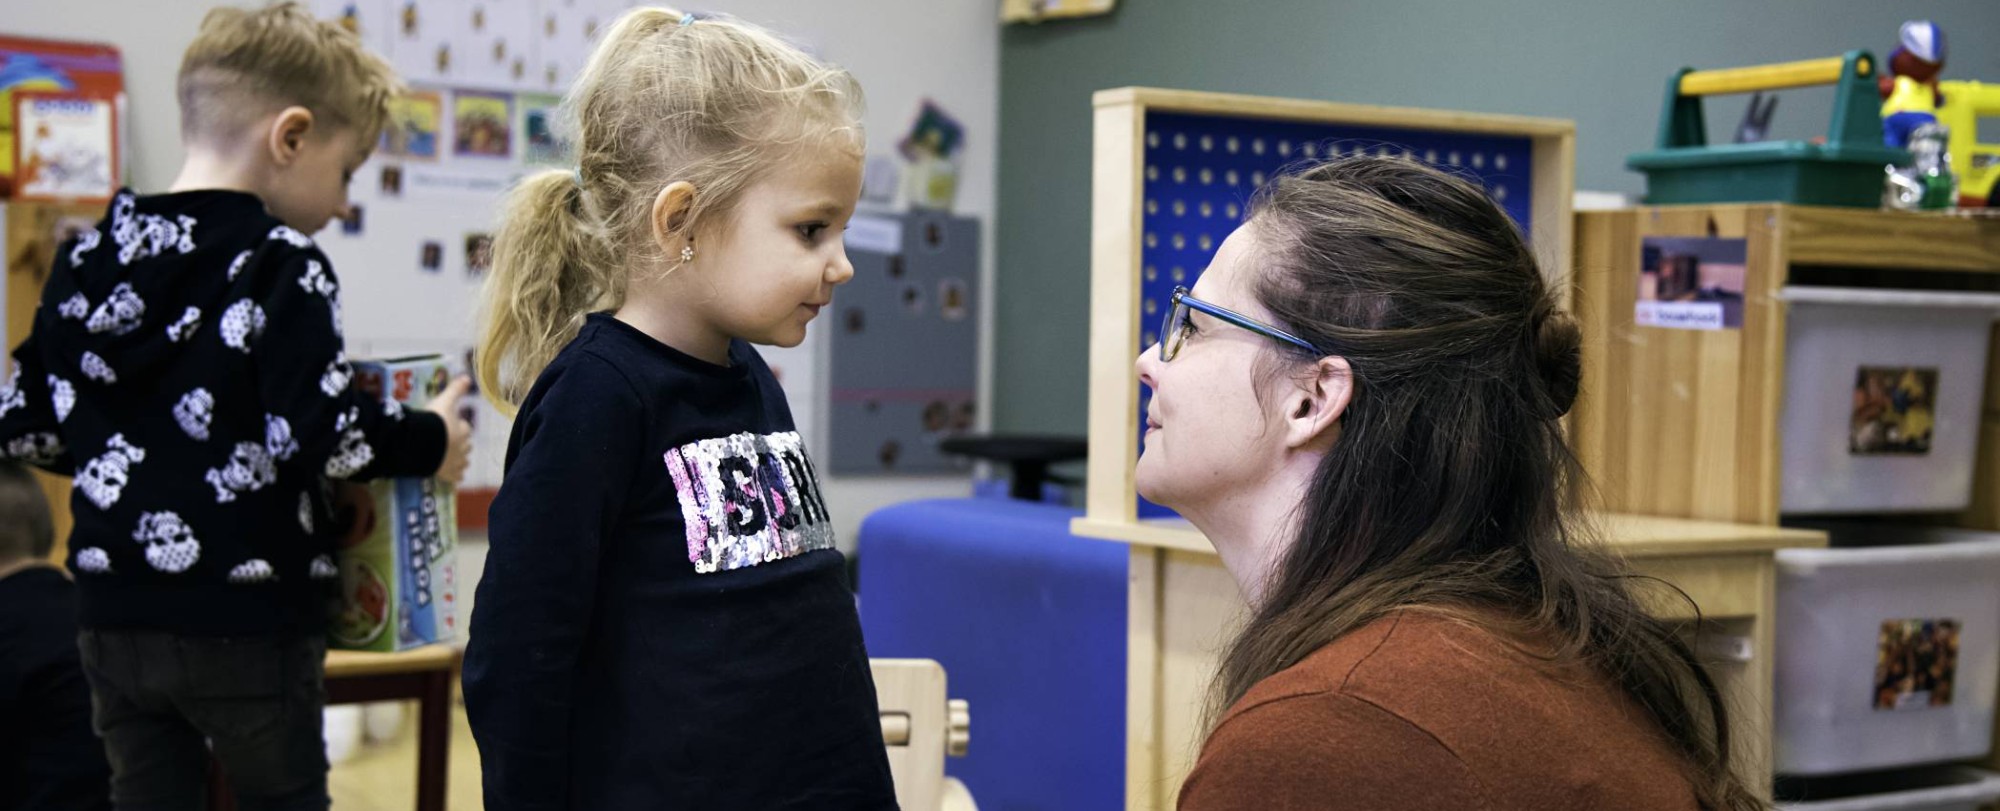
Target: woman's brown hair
(1451,488)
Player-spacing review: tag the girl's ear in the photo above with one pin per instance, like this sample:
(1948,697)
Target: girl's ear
(670,217)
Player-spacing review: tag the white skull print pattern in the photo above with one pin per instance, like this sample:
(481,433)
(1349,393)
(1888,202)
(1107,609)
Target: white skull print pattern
(170,544)
(103,479)
(121,312)
(249,469)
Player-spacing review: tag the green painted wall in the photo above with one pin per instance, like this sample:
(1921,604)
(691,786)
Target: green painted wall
(1602,63)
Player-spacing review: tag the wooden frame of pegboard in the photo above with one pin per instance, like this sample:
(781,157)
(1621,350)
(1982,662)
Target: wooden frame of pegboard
(1117,242)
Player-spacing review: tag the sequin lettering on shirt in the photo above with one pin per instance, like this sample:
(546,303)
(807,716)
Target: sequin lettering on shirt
(748,499)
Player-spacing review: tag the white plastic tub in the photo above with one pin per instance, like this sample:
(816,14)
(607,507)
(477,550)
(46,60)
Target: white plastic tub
(1834,463)
(1855,692)
(1947,788)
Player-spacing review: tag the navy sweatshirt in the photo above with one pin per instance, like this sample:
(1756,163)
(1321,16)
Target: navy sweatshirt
(664,622)
(50,760)
(187,367)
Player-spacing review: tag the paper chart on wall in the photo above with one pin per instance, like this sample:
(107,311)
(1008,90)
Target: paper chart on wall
(566,31)
(371,20)
(493,42)
(423,45)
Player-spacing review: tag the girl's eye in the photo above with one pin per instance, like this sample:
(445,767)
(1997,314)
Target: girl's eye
(810,231)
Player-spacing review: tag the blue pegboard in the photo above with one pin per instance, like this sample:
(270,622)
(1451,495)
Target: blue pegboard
(1201,170)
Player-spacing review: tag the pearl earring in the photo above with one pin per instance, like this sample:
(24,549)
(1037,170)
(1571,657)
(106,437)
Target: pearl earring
(687,253)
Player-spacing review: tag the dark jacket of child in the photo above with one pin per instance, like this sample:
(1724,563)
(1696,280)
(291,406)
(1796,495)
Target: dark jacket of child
(187,367)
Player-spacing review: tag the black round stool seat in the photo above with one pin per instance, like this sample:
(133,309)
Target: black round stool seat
(1027,456)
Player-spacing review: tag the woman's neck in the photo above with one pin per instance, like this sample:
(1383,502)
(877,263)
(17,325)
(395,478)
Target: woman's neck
(1252,527)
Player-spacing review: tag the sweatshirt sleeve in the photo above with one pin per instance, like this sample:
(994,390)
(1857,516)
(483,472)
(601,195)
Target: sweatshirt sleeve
(33,404)
(563,495)
(315,416)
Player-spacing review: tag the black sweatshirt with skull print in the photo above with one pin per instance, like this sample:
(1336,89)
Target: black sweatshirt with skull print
(186,366)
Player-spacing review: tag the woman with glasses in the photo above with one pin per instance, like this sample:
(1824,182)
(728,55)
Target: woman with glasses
(1358,403)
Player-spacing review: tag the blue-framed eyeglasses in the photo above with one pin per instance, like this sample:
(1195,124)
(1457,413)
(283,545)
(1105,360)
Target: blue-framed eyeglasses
(1174,330)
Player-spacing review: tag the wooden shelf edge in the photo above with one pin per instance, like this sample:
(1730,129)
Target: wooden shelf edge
(1196,101)
(1166,534)
(1634,536)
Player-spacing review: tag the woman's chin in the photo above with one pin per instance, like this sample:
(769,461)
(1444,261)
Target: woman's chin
(1147,482)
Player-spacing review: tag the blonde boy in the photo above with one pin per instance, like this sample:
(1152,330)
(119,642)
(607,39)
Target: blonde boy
(187,367)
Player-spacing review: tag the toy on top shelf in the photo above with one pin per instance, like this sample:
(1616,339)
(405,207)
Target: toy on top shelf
(1977,165)
(1914,97)
(1843,170)
(1910,86)
(1927,183)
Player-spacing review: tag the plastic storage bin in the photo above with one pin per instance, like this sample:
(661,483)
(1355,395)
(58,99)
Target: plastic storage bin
(1944,788)
(1923,353)
(1887,656)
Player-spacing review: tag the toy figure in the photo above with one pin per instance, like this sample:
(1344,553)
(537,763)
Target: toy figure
(1909,87)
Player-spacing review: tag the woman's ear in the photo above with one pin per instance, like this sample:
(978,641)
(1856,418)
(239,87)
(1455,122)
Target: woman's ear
(1314,406)
(670,217)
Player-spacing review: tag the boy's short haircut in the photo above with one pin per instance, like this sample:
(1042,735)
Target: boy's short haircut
(27,530)
(246,64)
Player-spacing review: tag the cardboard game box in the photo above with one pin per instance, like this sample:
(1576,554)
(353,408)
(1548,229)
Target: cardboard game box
(398,575)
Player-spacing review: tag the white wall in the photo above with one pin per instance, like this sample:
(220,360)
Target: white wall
(903,51)
(151,35)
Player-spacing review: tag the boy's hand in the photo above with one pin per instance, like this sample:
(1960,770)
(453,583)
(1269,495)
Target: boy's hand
(458,432)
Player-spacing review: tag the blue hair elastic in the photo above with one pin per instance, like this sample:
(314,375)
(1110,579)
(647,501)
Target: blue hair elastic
(577,176)
(687,19)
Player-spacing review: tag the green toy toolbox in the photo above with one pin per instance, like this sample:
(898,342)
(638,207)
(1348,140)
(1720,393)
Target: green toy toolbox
(1846,170)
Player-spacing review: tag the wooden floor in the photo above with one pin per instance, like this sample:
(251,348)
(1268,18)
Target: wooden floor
(383,776)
